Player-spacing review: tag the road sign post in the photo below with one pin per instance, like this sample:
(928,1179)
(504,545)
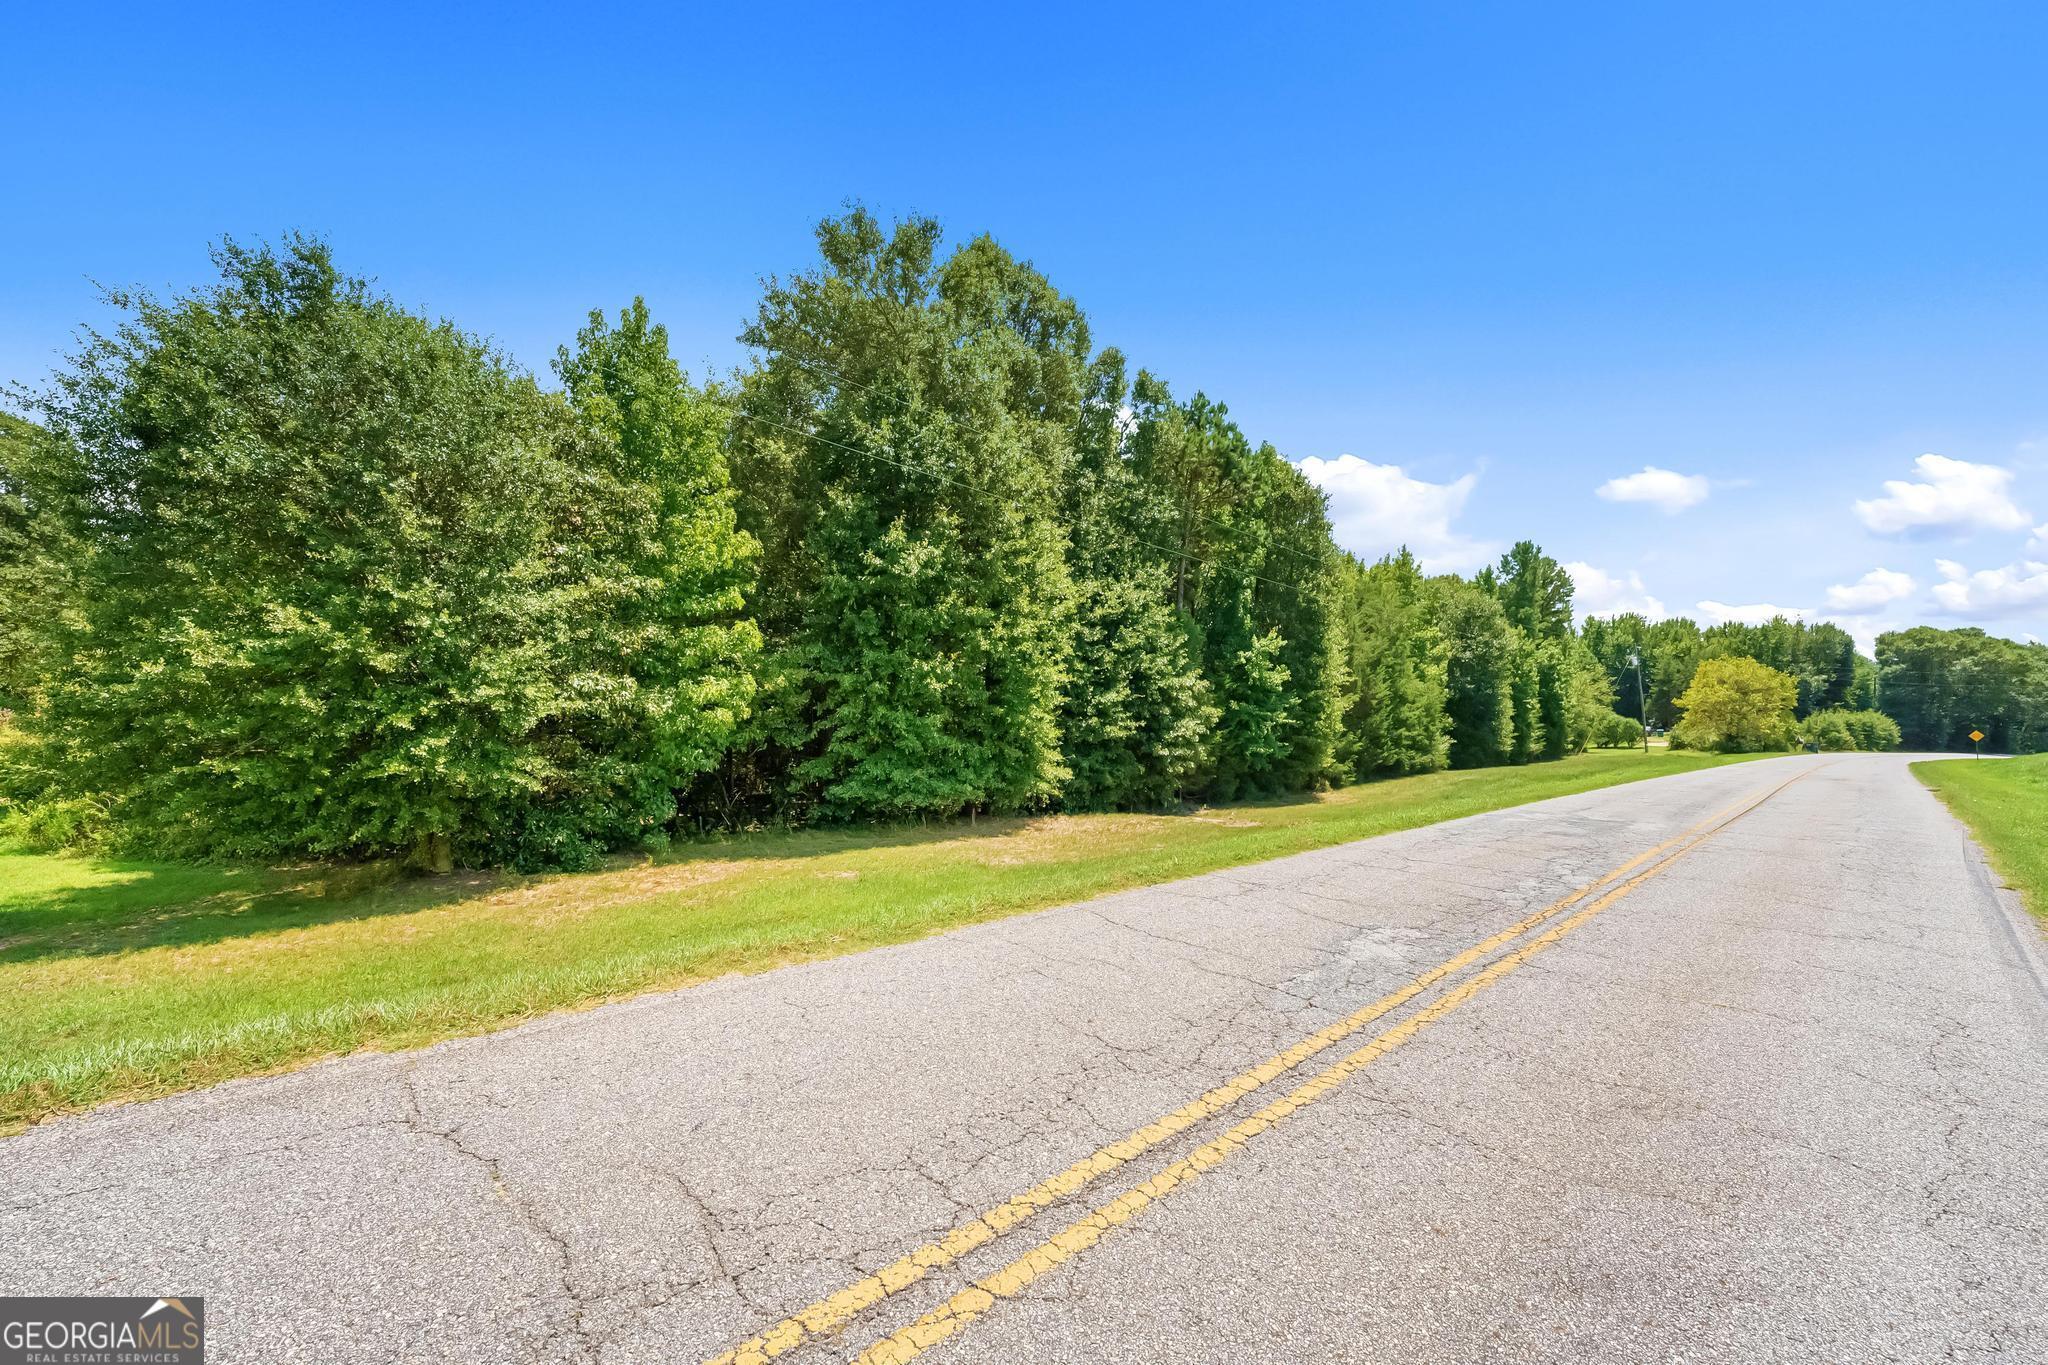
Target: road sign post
(1977,738)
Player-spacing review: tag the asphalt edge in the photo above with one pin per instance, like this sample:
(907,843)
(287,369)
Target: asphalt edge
(2002,905)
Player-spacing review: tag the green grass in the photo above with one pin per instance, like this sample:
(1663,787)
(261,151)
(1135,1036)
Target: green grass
(130,979)
(2005,804)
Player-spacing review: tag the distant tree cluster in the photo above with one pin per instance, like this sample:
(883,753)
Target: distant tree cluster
(1939,685)
(1927,688)
(286,569)
(1820,658)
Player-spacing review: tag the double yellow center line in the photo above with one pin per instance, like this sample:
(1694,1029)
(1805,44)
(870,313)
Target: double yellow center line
(830,1314)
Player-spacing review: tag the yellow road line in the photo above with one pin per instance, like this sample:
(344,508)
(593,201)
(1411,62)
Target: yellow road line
(835,1311)
(971,1303)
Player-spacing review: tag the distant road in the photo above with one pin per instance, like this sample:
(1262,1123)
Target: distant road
(1745,1064)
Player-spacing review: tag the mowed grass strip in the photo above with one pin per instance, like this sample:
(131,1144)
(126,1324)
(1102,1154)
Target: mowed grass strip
(125,980)
(2005,804)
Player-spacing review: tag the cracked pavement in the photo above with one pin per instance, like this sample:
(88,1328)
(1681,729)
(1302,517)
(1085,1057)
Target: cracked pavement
(1781,1102)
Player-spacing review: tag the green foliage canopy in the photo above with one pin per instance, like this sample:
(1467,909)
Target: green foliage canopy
(346,582)
(286,569)
(1941,684)
(1839,730)
(1481,655)
(1736,705)
(1397,661)
(36,591)
(901,454)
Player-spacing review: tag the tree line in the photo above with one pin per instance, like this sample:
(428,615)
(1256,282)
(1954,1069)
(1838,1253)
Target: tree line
(288,569)
(1934,686)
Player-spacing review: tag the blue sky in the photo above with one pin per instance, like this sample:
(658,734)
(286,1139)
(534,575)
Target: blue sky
(1500,256)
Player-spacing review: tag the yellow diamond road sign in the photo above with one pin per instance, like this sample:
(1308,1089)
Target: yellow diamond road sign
(1976,736)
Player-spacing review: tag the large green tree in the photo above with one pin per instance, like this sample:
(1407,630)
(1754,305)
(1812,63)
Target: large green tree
(348,583)
(1535,594)
(1736,705)
(1299,597)
(671,599)
(1481,659)
(901,451)
(1396,721)
(1534,590)
(1136,720)
(1588,696)
(1254,570)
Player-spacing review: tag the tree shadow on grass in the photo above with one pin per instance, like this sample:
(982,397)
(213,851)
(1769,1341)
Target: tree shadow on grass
(824,841)
(87,907)
(62,907)
(114,905)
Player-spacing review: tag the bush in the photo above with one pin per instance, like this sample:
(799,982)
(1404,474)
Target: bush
(1828,732)
(54,825)
(22,776)
(1615,731)
(1875,732)
(1841,731)
(1736,706)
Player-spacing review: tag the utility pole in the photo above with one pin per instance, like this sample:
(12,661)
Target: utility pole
(1635,656)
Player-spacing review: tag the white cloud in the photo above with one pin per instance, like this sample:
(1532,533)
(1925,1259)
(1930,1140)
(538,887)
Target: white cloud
(1956,496)
(1878,588)
(1596,592)
(1751,613)
(1375,509)
(2008,591)
(2039,543)
(1664,488)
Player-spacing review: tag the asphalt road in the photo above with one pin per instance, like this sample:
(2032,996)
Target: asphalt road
(1773,1092)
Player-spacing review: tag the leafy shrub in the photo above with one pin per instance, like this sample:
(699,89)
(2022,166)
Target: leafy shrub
(1736,706)
(1616,731)
(53,825)
(531,841)
(1875,732)
(23,777)
(1842,731)
(1828,732)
